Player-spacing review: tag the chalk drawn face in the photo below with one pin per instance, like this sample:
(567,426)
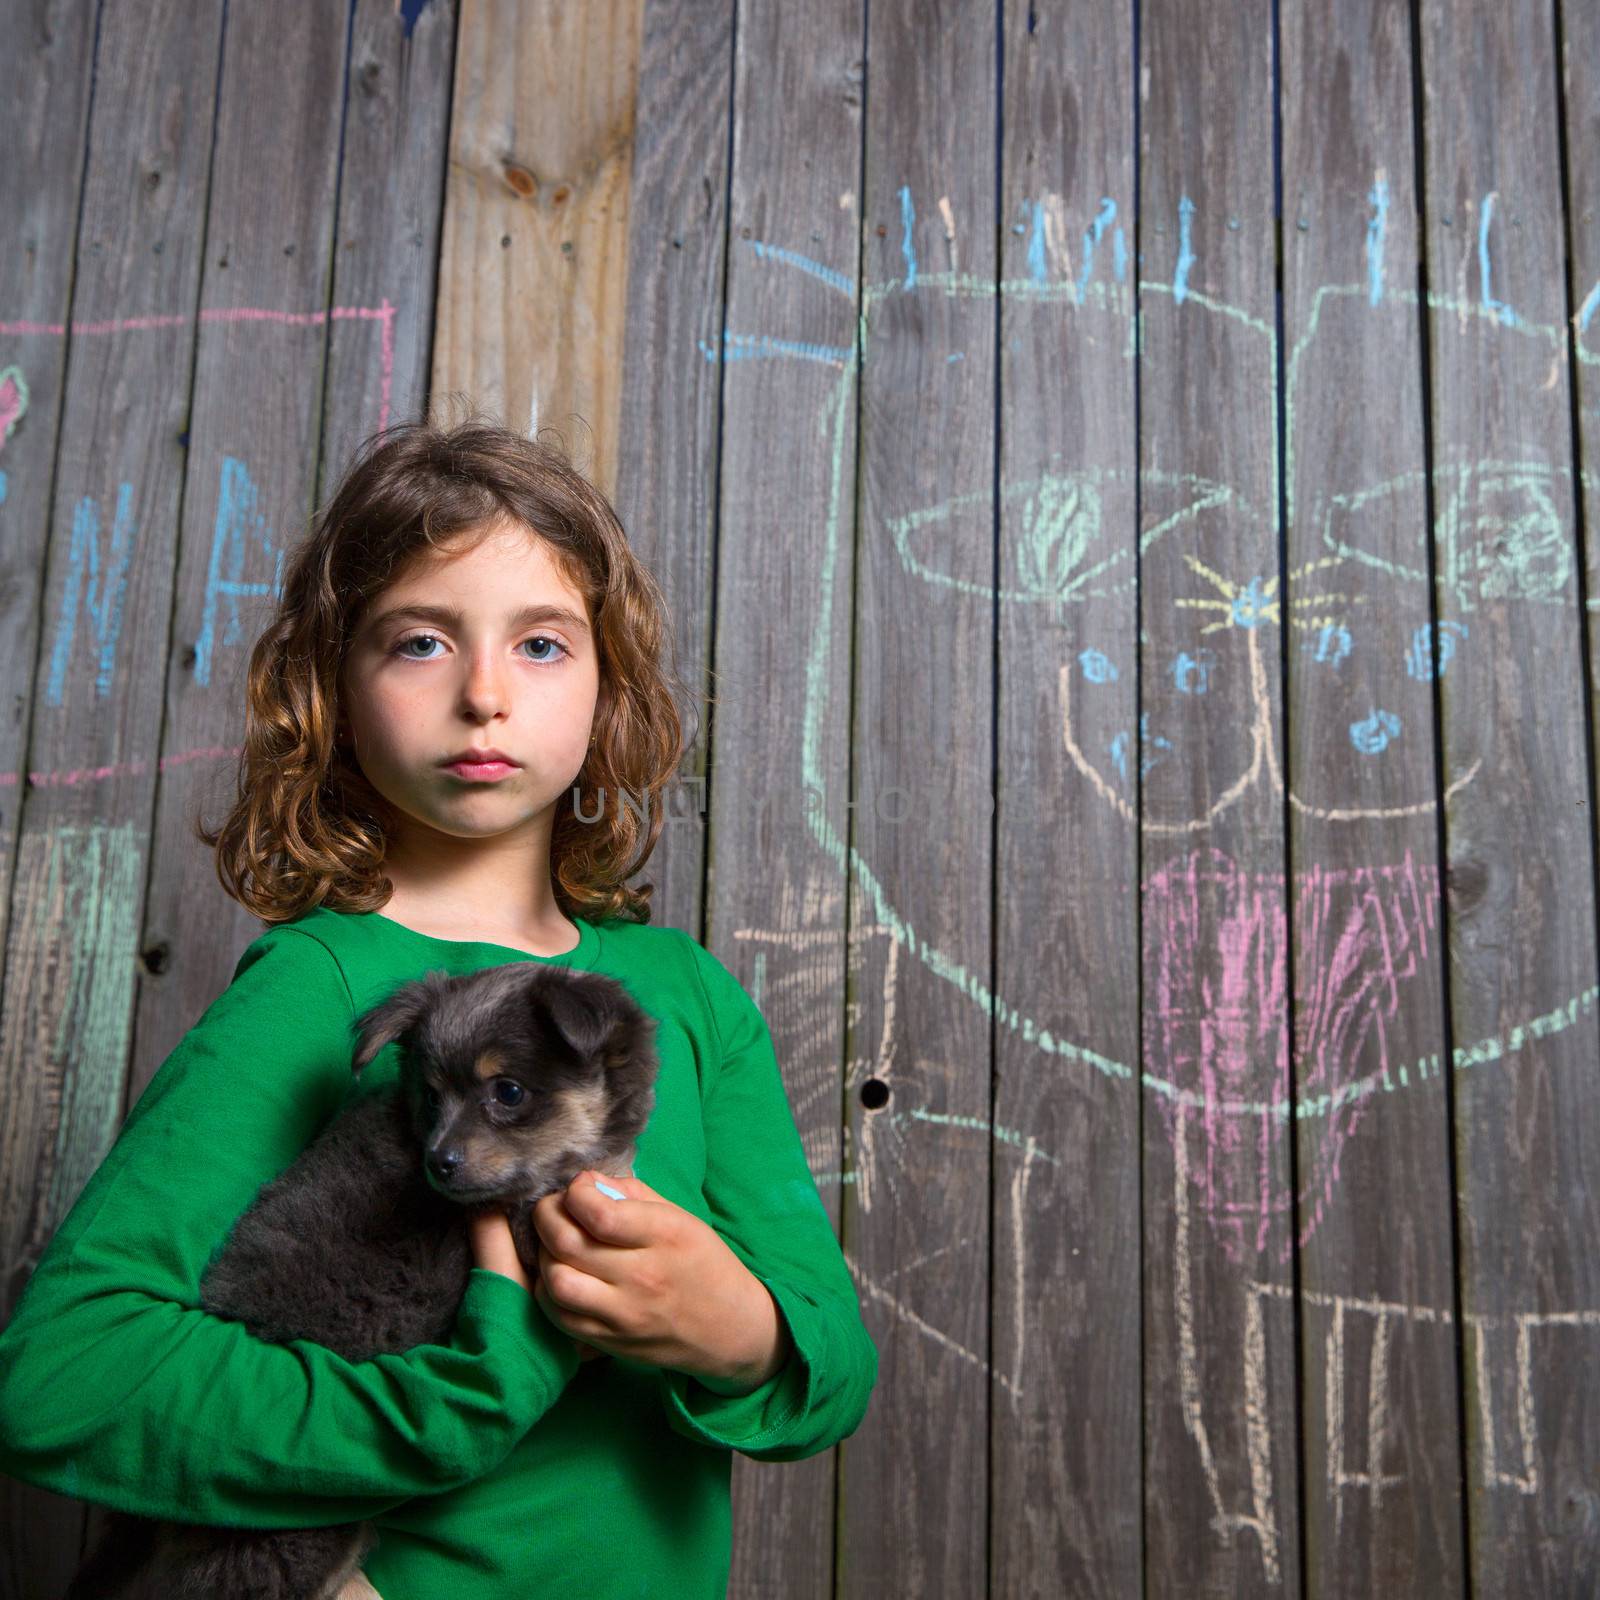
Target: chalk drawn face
(1208,739)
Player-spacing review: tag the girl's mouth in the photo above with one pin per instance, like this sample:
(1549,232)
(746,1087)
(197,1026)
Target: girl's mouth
(481,771)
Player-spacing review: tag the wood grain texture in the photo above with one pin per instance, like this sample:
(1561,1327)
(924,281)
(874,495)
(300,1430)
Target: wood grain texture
(1221,1434)
(533,276)
(391,199)
(920,910)
(670,407)
(131,257)
(776,901)
(1065,1394)
(1519,835)
(1379,1398)
(250,475)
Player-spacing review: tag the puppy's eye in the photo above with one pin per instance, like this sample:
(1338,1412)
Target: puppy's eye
(430,1098)
(508,1091)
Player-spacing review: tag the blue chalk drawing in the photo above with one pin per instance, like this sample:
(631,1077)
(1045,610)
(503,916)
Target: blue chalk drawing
(1591,302)
(1419,655)
(1251,607)
(1155,741)
(1119,749)
(1098,667)
(908,214)
(1498,307)
(1038,268)
(1376,227)
(1332,643)
(1373,733)
(748,347)
(1192,674)
(3,485)
(829,275)
(1180,278)
(105,591)
(239,529)
(1091,237)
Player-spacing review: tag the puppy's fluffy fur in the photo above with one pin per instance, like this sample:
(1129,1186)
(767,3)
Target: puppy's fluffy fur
(513,1080)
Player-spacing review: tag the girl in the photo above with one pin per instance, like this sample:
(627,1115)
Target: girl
(464,640)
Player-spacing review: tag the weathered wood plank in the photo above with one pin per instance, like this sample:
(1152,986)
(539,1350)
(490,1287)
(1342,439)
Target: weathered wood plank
(780,727)
(669,409)
(93,716)
(920,908)
(1521,910)
(1380,1386)
(1221,1479)
(391,194)
(533,277)
(250,475)
(1579,64)
(1066,1480)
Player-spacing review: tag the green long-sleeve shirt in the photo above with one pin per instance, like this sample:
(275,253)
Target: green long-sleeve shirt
(495,1465)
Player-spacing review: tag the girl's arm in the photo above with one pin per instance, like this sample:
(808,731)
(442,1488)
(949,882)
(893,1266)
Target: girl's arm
(764,1202)
(116,1387)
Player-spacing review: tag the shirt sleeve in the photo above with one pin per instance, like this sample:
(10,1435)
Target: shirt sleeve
(763,1201)
(117,1387)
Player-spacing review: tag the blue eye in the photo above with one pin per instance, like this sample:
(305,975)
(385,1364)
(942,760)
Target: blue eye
(541,638)
(508,1092)
(400,647)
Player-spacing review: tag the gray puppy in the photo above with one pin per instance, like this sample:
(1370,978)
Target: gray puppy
(512,1081)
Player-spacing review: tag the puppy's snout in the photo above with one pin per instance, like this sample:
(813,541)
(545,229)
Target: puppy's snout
(444,1164)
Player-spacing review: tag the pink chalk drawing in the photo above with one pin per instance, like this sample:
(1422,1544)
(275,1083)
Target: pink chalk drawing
(13,401)
(1216,1023)
(383,314)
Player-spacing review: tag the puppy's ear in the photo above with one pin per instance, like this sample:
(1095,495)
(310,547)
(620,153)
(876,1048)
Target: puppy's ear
(391,1019)
(583,1010)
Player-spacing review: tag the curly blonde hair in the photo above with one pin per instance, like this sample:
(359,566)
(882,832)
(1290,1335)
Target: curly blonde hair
(307,828)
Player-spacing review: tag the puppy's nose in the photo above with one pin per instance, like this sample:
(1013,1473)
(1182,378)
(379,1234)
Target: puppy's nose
(443,1164)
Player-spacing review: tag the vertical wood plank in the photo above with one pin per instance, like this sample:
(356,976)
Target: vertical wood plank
(94,713)
(1519,829)
(1579,64)
(920,828)
(1066,1390)
(1221,1479)
(533,272)
(250,475)
(1381,1417)
(391,194)
(669,410)
(775,908)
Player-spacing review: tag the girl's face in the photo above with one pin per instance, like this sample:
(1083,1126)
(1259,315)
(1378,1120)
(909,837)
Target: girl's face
(473,649)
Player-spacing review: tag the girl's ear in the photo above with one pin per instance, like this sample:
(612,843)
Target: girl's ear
(392,1019)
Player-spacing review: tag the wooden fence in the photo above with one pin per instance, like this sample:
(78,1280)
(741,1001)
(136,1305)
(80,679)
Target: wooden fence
(1122,470)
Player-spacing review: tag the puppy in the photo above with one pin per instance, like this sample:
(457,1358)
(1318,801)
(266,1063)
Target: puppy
(512,1081)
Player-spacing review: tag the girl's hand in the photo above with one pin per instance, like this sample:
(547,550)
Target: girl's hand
(643,1278)
(489,1235)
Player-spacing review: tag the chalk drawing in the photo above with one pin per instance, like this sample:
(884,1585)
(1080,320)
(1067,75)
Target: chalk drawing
(239,531)
(95,586)
(383,314)
(13,401)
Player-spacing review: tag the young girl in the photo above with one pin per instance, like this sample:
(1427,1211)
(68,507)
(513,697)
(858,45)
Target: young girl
(463,643)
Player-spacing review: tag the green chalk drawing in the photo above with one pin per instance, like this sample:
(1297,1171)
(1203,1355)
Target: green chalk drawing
(85,887)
